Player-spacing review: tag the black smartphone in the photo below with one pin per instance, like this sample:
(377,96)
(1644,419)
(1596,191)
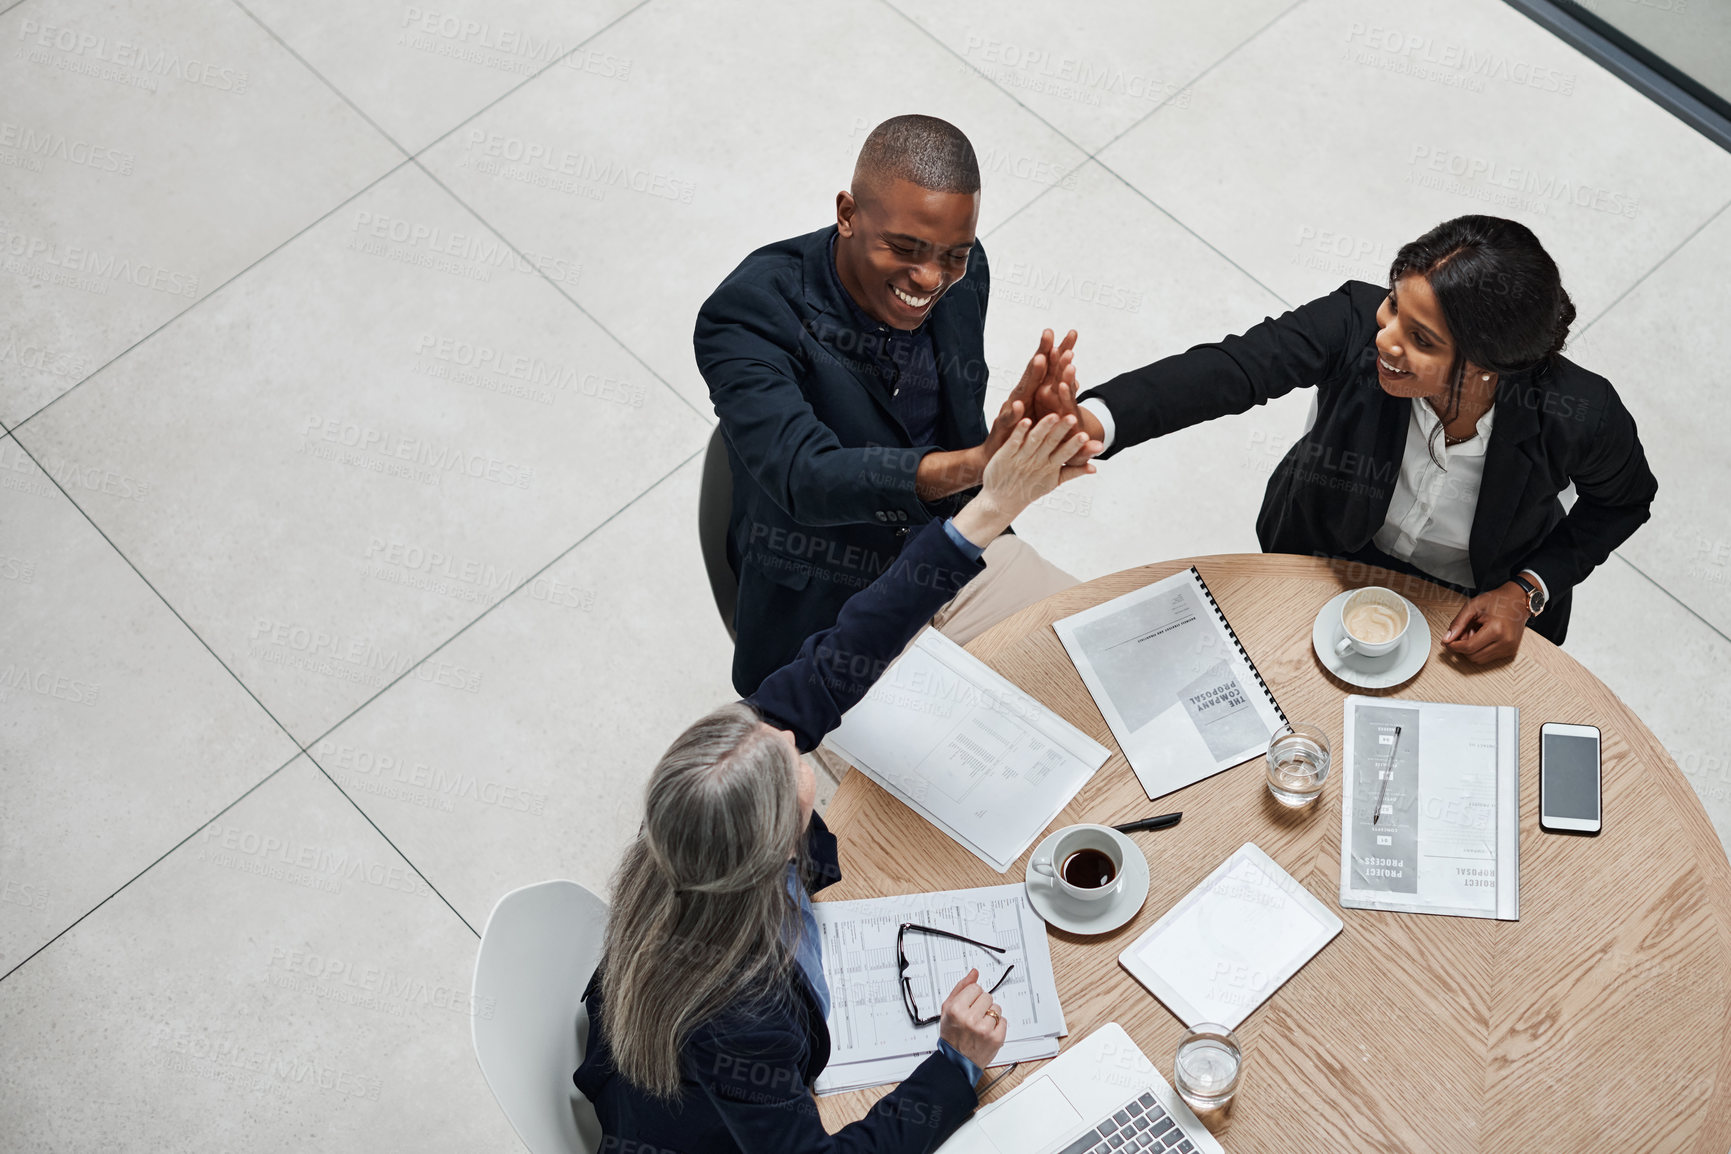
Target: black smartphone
(1569,779)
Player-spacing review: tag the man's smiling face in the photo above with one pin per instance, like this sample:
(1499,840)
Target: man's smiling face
(902,246)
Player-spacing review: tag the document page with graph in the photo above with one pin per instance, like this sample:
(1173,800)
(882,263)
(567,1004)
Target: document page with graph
(970,752)
(873,1039)
(1172,680)
(1430,808)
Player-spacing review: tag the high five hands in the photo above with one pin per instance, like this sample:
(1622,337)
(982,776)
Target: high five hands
(1048,387)
(1488,627)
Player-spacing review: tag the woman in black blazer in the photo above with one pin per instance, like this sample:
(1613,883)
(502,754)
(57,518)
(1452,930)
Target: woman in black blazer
(707,1013)
(1446,425)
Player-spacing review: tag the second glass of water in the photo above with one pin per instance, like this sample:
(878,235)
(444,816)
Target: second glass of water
(1298,759)
(1205,1070)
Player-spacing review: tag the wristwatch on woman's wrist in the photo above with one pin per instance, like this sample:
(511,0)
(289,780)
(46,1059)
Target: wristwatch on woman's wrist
(1535,595)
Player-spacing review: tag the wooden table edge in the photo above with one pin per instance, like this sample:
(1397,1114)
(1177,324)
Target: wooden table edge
(1711,852)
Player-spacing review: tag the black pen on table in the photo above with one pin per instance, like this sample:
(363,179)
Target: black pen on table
(1164,821)
(1387,773)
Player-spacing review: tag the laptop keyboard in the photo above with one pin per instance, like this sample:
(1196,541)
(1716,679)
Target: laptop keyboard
(1140,1127)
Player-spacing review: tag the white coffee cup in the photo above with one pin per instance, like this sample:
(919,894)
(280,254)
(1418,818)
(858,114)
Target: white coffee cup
(1082,839)
(1373,622)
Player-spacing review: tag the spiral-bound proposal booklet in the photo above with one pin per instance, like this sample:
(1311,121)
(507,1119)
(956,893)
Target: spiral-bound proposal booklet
(1172,681)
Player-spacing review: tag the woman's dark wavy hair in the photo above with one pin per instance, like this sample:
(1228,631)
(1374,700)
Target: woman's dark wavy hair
(1500,294)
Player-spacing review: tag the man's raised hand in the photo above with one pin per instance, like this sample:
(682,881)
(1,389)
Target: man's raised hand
(1048,364)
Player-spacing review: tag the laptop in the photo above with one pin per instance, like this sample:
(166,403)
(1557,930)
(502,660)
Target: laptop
(1101,1094)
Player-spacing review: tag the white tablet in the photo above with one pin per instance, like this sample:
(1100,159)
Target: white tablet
(1232,941)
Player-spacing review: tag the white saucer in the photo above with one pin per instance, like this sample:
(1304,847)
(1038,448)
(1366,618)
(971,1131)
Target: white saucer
(1066,913)
(1385,672)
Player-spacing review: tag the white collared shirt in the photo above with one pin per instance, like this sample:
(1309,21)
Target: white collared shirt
(1430,517)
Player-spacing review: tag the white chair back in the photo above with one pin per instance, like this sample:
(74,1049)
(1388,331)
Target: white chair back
(537,952)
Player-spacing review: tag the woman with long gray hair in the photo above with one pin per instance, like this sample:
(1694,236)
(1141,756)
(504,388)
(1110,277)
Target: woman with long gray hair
(707,1013)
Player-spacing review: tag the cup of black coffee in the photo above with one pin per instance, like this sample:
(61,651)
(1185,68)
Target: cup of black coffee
(1086,863)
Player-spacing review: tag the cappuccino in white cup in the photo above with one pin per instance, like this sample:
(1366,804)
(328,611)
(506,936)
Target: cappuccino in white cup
(1373,621)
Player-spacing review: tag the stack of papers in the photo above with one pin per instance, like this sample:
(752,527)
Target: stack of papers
(873,1040)
(967,750)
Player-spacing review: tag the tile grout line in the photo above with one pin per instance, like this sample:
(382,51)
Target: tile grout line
(1060,133)
(1209,245)
(560,289)
(516,88)
(339,93)
(1640,280)
(306,750)
(223,665)
(415,159)
(611,517)
(298,233)
(1094,156)
(366,817)
(496,231)
(1684,605)
(1200,239)
(1233,51)
(1014,99)
(407,158)
(157,592)
(301,750)
(159,860)
(525,583)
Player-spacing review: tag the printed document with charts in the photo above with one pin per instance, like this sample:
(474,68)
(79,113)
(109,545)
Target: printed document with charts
(1172,681)
(873,1040)
(967,750)
(1447,839)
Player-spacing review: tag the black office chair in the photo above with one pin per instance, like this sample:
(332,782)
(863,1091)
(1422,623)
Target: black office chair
(714,510)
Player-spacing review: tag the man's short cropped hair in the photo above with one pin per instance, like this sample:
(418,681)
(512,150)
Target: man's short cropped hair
(922,150)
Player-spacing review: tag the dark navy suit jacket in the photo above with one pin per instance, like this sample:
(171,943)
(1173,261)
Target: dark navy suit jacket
(823,471)
(1330,494)
(747,1075)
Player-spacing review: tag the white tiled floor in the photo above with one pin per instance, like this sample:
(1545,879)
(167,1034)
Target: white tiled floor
(311,574)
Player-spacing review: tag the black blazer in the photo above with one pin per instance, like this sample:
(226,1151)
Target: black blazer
(747,1075)
(1330,494)
(823,471)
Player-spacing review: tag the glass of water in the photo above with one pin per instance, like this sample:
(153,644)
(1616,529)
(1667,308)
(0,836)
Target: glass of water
(1205,1070)
(1298,760)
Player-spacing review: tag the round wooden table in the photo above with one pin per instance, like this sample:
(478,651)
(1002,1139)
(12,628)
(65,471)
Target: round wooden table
(1600,1020)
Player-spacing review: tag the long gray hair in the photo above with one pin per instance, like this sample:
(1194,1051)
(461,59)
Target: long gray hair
(701,916)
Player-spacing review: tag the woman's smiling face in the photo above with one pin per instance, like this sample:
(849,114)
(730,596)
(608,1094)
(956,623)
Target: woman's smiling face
(1414,351)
